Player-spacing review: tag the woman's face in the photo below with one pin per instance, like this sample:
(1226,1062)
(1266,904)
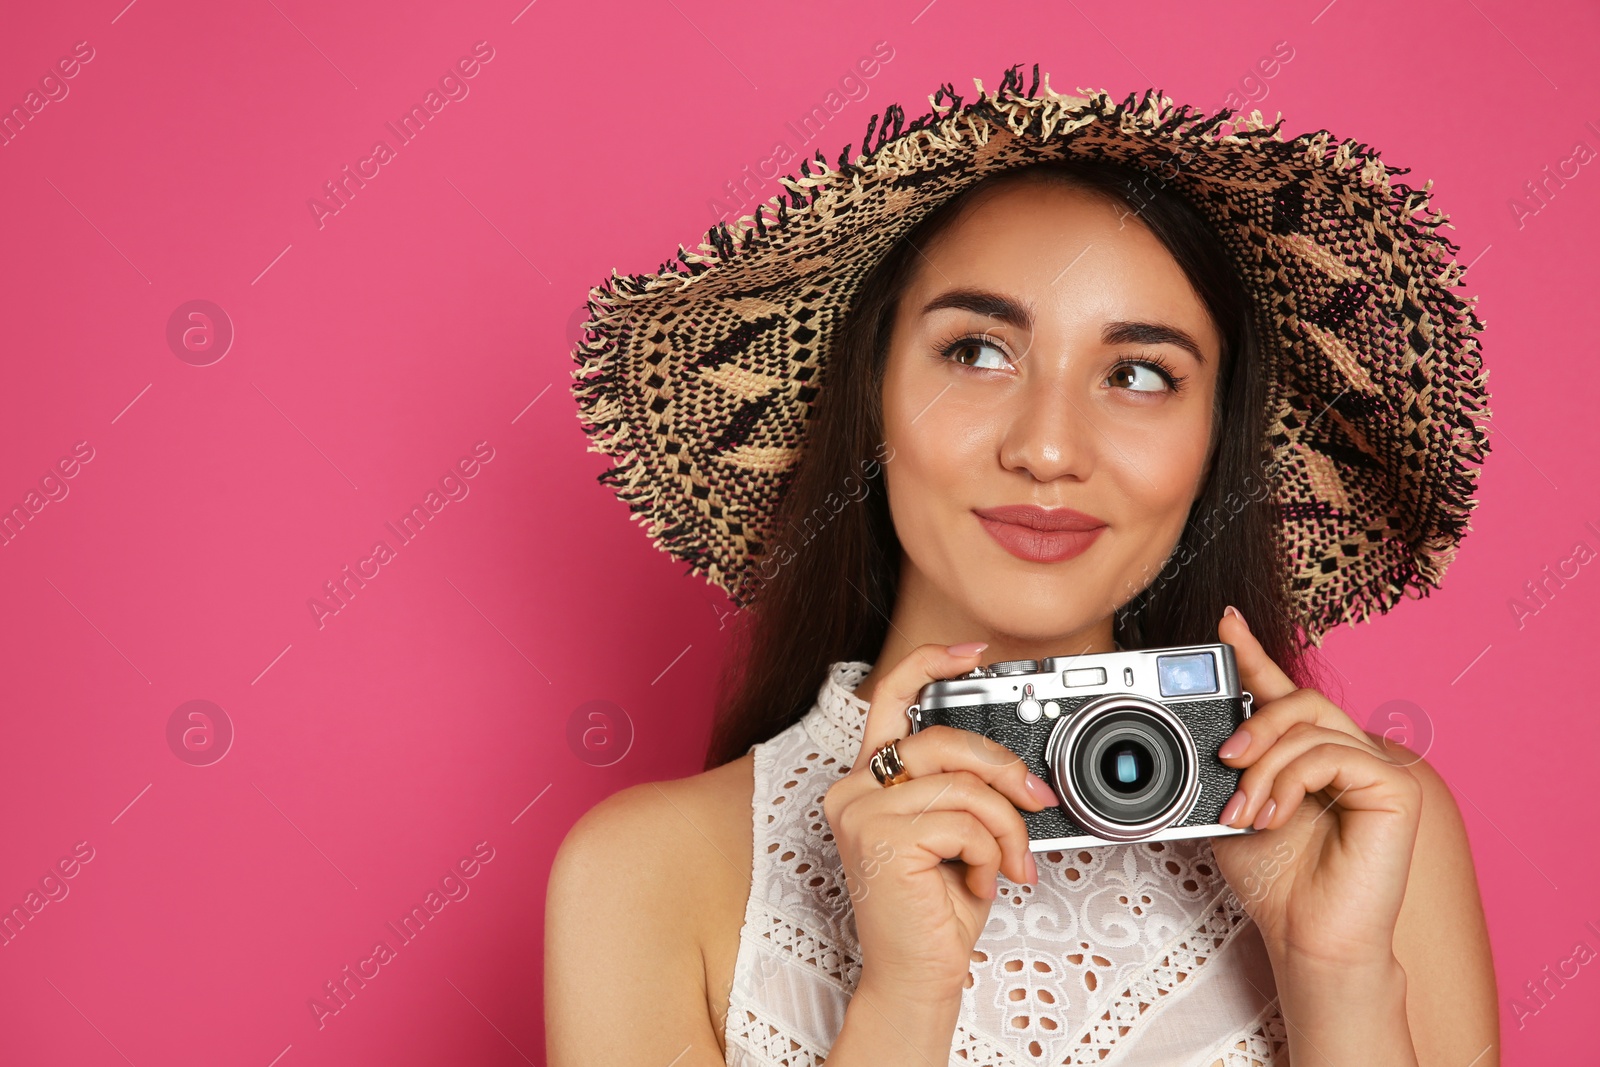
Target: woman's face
(1048,354)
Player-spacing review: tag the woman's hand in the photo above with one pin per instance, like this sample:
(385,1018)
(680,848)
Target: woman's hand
(917,917)
(1323,880)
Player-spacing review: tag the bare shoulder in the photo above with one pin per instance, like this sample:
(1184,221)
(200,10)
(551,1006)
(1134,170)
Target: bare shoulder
(691,818)
(655,844)
(656,875)
(1442,936)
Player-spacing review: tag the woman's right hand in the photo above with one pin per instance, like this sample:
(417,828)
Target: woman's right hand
(918,918)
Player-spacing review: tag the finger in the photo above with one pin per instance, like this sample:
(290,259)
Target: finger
(959,835)
(959,791)
(1268,722)
(939,749)
(1259,675)
(1362,783)
(897,690)
(1256,783)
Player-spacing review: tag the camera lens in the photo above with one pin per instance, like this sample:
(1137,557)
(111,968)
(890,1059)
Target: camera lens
(1126,766)
(1126,770)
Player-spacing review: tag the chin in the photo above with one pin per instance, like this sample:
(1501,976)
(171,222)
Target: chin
(1031,608)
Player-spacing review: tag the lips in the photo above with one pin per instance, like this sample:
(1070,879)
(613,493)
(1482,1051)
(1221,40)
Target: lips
(1040,535)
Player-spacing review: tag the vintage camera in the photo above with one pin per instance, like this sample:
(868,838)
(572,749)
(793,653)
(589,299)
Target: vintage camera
(1128,740)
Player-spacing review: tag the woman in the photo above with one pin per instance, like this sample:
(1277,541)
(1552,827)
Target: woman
(1086,440)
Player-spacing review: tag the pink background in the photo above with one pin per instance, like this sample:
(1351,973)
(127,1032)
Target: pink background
(435,310)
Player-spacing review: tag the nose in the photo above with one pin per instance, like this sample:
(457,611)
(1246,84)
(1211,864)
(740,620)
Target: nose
(1048,435)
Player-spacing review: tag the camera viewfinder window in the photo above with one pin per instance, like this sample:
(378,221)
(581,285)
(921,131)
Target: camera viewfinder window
(1187,675)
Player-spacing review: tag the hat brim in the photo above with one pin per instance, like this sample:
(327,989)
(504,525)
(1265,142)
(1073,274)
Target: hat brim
(698,379)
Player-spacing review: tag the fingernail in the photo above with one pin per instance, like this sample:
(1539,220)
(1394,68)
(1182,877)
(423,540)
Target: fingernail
(1230,810)
(1236,613)
(1237,744)
(1266,815)
(1041,789)
(1033,869)
(968,648)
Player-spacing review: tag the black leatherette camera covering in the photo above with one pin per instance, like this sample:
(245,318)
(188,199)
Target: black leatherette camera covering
(1209,723)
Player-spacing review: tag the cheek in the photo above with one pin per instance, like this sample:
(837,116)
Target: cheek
(1159,472)
(941,437)
(943,458)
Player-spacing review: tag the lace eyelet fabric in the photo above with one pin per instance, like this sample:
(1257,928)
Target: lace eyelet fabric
(1123,954)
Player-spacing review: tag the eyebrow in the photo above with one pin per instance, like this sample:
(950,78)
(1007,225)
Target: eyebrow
(1014,313)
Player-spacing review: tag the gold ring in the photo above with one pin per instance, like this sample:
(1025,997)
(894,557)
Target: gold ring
(887,766)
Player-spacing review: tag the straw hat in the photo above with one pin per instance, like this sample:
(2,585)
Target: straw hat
(697,379)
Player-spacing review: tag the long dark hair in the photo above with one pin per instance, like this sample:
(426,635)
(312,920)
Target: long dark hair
(826,585)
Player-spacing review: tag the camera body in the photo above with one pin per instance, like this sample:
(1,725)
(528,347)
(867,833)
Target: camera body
(1128,740)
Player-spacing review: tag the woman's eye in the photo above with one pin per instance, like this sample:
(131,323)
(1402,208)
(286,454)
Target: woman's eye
(969,353)
(1139,377)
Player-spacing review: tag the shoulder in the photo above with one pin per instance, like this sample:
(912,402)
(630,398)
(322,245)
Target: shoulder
(646,891)
(1441,937)
(650,840)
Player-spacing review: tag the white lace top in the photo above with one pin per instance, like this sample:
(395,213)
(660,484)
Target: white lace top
(1122,954)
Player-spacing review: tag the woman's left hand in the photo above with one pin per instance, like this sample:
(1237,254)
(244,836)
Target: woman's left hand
(1324,876)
